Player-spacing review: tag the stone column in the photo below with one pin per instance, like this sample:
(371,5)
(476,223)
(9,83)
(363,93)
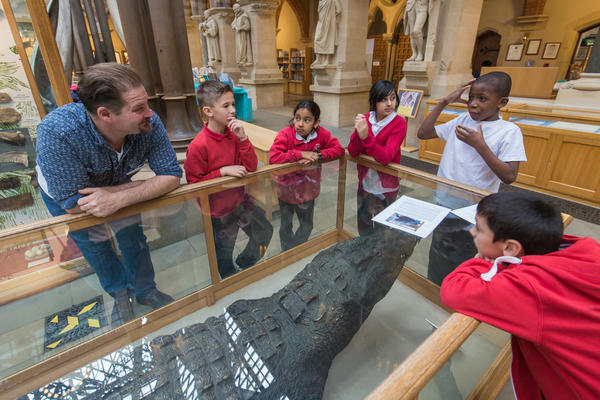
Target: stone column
(138,35)
(341,88)
(451,34)
(224,16)
(262,78)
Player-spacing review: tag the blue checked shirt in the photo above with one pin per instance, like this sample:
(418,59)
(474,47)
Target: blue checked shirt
(72,155)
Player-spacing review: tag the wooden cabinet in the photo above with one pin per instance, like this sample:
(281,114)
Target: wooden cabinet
(529,81)
(562,147)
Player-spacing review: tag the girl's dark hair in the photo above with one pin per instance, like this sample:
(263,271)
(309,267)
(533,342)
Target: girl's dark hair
(310,106)
(379,91)
(527,218)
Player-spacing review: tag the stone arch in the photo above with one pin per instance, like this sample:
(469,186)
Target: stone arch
(398,21)
(377,25)
(301,15)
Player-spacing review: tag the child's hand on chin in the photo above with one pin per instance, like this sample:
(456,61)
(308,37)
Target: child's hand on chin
(237,128)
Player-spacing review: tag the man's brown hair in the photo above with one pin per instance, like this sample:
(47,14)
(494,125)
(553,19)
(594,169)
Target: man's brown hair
(103,85)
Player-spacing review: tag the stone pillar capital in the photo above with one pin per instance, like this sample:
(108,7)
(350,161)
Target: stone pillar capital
(262,7)
(198,19)
(220,12)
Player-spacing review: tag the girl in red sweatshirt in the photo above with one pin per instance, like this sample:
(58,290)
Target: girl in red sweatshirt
(304,142)
(378,134)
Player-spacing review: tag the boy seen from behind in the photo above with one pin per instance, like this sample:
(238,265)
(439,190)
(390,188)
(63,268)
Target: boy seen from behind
(222,148)
(541,286)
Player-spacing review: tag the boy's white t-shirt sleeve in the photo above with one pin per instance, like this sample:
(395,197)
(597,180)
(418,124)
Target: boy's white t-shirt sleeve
(512,147)
(446,129)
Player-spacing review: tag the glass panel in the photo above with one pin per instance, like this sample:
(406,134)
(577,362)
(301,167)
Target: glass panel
(368,192)
(34,53)
(457,378)
(51,296)
(272,215)
(169,363)
(435,256)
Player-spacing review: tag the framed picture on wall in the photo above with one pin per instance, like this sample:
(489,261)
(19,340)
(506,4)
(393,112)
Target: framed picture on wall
(409,102)
(551,50)
(582,52)
(515,52)
(533,47)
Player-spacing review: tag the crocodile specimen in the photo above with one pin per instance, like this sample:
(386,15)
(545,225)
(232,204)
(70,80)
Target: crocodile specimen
(278,347)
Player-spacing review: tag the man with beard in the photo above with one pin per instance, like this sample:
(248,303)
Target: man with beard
(88,151)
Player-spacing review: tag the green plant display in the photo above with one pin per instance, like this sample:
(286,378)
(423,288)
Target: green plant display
(7,81)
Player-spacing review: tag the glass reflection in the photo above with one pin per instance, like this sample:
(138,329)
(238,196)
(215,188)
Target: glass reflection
(376,191)
(232,210)
(34,53)
(451,242)
(296,193)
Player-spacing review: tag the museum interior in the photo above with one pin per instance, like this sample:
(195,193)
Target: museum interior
(349,306)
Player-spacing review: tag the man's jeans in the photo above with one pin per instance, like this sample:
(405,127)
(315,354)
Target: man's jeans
(134,272)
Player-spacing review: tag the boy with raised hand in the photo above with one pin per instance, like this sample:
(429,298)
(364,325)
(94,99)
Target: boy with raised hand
(222,148)
(481,149)
(539,285)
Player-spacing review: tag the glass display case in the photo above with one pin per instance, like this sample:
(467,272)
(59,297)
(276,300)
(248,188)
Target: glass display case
(62,338)
(561,144)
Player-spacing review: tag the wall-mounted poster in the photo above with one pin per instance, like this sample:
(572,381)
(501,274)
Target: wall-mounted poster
(515,52)
(551,50)
(533,47)
(409,102)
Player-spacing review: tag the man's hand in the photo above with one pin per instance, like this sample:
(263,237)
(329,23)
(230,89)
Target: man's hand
(238,129)
(99,202)
(360,124)
(239,171)
(454,97)
(473,138)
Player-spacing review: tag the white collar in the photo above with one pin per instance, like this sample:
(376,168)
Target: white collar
(378,126)
(310,137)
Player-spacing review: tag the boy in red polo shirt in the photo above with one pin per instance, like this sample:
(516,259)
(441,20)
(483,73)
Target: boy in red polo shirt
(223,149)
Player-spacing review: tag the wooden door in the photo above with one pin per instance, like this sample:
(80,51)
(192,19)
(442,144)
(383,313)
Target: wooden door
(486,51)
(380,50)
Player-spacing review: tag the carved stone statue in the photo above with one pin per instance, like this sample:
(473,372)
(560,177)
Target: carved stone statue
(210,29)
(241,25)
(415,16)
(326,36)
